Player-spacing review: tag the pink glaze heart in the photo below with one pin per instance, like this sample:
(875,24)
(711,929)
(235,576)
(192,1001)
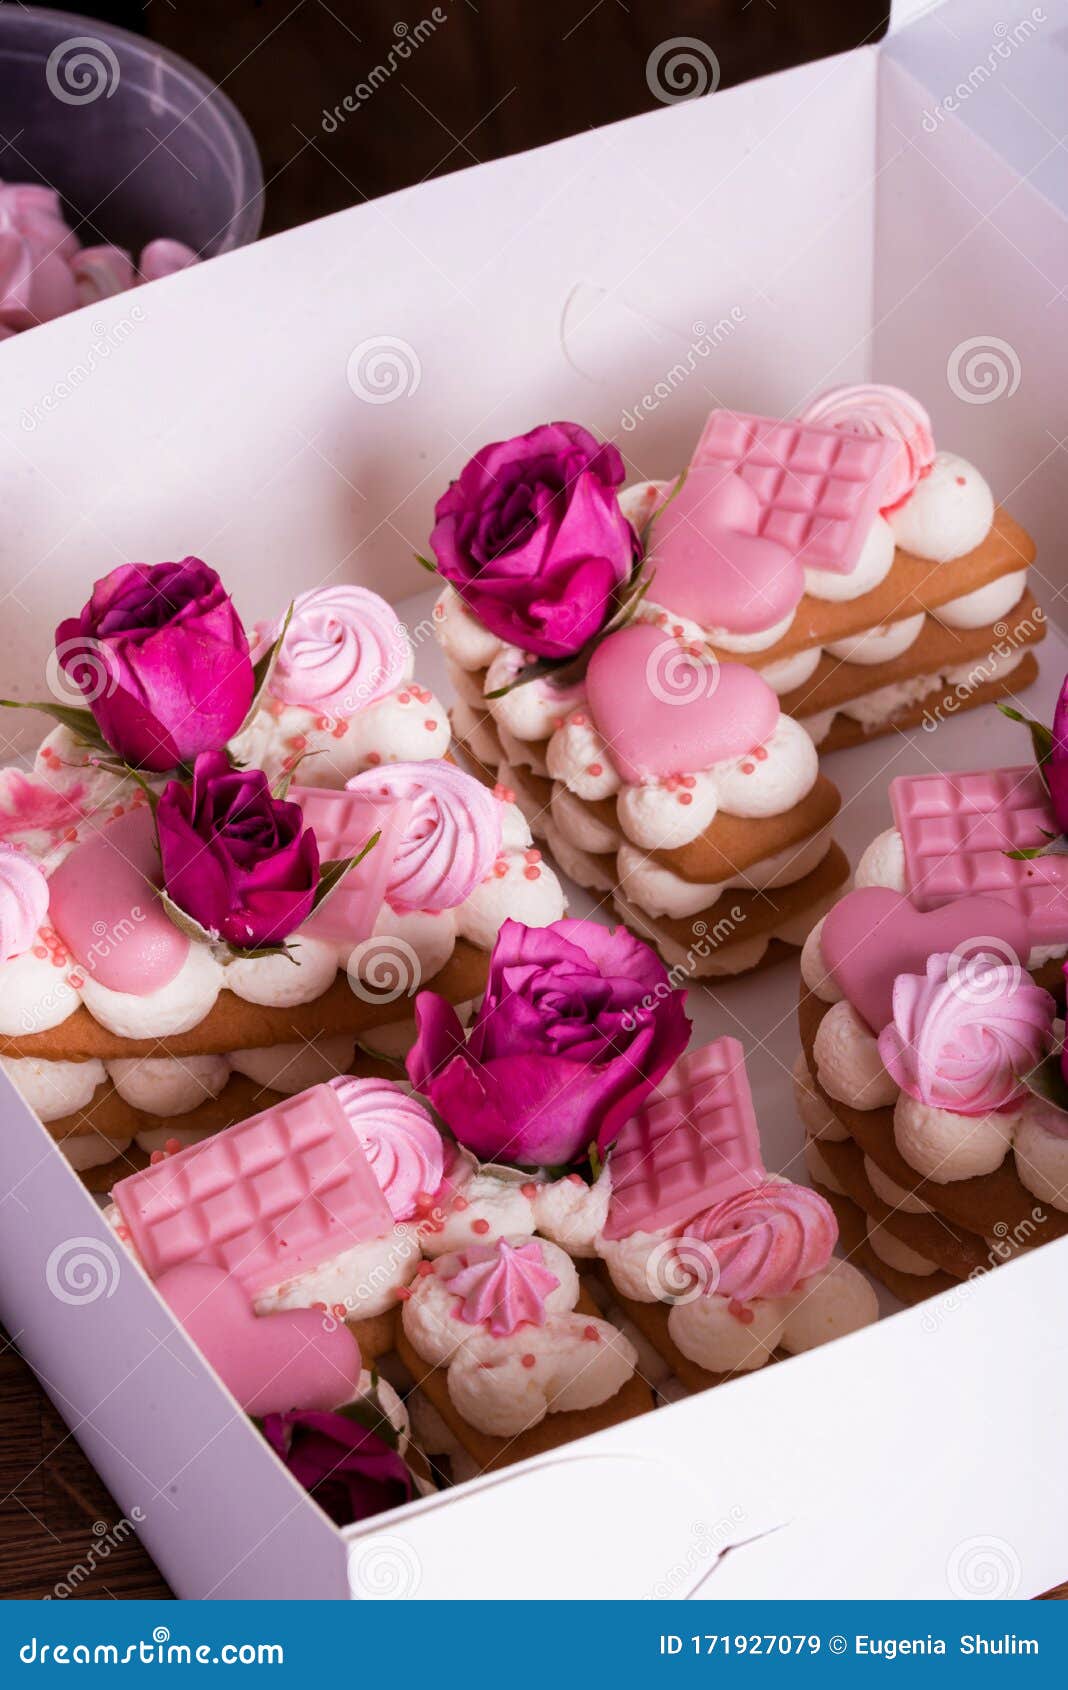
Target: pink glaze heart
(710,564)
(105,907)
(873,934)
(660,713)
(272,1363)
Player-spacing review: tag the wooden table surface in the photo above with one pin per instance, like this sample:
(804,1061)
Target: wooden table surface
(54,1508)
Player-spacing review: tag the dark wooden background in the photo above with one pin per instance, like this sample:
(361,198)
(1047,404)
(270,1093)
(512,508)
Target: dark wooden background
(496,76)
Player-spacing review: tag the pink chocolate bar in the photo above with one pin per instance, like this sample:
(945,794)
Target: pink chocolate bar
(695,1144)
(264,1200)
(957,830)
(343,822)
(820,489)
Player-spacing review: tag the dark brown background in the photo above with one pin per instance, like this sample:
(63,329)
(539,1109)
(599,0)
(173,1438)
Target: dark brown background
(495,77)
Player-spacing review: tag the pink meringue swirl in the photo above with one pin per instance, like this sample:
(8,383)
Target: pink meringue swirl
(344,649)
(963,1033)
(502,1286)
(766,1240)
(23,901)
(453,835)
(872,409)
(399,1139)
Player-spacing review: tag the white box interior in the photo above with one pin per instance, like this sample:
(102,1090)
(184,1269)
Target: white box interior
(813,215)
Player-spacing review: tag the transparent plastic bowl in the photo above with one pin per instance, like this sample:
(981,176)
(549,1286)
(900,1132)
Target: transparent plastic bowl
(138,143)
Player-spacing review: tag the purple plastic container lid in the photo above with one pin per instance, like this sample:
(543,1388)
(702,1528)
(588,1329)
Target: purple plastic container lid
(139,144)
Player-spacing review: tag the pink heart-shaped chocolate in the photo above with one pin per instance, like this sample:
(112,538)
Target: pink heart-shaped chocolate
(662,712)
(710,564)
(272,1363)
(874,934)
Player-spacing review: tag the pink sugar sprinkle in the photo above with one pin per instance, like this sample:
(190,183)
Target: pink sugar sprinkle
(340,729)
(591,1334)
(297,743)
(123,1232)
(532,855)
(423,1269)
(339,1311)
(558,722)
(500,868)
(439,613)
(424,1202)
(529,1360)
(460,1204)
(961,482)
(576,1179)
(374,758)
(532,873)
(688,780)
(430,724)
(404,698)
(40,952)
(749,768)
(685,797)
(403,1294)
(172,1146)
(595,769)
(740,1312)
(578,720)
(77,981)
(156,1157)
(480,1227)
(761,753)
(529,1190)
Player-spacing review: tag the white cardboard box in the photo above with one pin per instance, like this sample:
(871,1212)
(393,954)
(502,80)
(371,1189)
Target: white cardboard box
(826,224)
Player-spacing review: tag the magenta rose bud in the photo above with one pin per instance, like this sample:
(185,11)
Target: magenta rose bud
(351,1472)
(532,537)
(1056,770)
(578,1024)
(161,657)
(238,861)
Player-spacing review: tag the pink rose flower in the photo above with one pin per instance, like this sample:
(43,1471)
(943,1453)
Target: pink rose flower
(578,1024)
(532,537)
(238,861)
(161,657)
